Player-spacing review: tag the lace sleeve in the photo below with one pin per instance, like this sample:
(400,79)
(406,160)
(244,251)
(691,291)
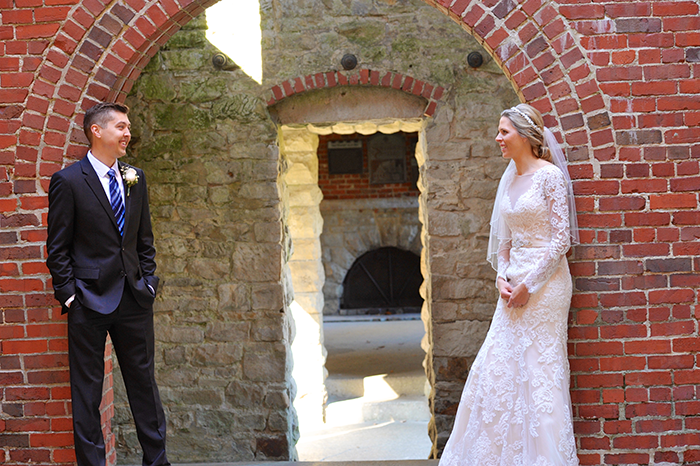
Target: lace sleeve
(554,187)
(503,258)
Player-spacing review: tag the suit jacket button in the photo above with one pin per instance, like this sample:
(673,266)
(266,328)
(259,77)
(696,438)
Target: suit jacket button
(123,274)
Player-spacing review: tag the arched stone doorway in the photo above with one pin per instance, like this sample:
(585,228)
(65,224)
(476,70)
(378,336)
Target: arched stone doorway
(298,147)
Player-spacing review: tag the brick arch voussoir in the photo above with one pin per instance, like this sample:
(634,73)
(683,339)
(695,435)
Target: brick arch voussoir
(97,56)
(537,50)
(362,77)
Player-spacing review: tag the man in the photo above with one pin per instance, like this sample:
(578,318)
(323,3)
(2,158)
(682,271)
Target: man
(102,261)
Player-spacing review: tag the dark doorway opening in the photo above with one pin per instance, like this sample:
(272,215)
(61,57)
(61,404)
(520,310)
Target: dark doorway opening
(383,281)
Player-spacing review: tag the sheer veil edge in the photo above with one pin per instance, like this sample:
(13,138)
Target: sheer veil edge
(499,229)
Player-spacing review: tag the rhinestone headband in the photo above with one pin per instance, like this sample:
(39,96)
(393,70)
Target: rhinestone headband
(529,120)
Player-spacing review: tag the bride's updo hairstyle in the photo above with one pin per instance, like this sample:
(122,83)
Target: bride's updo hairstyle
(528,121)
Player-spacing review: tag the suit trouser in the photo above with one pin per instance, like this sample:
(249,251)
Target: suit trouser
(131,330)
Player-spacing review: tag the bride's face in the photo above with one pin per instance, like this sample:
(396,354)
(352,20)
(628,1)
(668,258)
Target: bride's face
(513,145)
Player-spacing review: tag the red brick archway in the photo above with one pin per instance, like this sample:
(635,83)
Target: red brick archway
(363,77)
(93,57)
(621,78)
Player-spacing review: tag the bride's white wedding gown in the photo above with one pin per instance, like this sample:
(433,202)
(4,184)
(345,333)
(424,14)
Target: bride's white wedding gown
(516,409)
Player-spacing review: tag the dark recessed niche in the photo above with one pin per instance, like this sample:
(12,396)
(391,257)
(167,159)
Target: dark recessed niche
(345,157)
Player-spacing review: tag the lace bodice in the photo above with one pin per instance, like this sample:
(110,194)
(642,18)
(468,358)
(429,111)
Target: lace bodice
(537,216)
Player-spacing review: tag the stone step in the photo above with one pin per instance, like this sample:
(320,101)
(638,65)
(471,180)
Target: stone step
(343,387)
(360,410)
(320,463)
(368,441)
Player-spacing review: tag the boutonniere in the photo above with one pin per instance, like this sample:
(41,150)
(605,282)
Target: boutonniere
(130,178)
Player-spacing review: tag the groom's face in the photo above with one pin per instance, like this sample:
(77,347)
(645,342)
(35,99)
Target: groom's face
(115,135)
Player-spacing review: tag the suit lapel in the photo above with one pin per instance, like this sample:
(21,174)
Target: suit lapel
(96,186)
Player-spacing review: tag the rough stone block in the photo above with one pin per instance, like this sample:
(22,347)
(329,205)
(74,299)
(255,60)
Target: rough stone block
(175,356)
(305,222)
(306,249)
(305,196)
(302,175)
(268,232)
(233,296)
(259,190)
(267,297)
(307,276)
(180,335)
(299,141)
(312,303)
(228,331)
(458,339)
(209,268)
(257,262)
(267,330)
(264,367)
(244,395)
(271,447)
(194,396)
(277,422)
(219,354)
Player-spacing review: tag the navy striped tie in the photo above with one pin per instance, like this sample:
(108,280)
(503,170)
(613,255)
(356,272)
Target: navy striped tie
(116,200)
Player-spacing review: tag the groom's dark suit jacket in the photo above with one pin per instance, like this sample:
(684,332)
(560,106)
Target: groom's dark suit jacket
(86,254)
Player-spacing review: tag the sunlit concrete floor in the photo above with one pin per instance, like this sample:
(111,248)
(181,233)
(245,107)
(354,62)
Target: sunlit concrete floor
(377,407)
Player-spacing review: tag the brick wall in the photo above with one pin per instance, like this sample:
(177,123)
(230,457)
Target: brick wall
(621,78)
(358,186)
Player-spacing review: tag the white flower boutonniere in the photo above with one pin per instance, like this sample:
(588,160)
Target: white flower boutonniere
(130,178)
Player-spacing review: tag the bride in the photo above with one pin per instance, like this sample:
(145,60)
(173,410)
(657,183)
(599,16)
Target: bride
(516,409)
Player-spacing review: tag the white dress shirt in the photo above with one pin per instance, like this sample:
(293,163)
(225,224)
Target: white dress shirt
(101,169)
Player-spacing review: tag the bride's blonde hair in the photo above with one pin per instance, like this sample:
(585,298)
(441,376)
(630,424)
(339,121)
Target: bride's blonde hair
(528,122)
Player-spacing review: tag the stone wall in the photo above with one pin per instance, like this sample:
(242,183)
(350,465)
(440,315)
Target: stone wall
(461,167)
(223,324)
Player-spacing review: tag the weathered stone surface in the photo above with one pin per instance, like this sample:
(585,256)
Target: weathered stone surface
(271,447)
(349,104)
(264,367)
(179,334)
(307,276)
(305,196)
(228,331)
(257,262)
(267,330)
(217,354)
(233,296)
(267,297)
(459,339)
(244,395)
(204,137)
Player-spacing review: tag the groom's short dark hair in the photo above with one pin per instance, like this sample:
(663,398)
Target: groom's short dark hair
(99,115)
